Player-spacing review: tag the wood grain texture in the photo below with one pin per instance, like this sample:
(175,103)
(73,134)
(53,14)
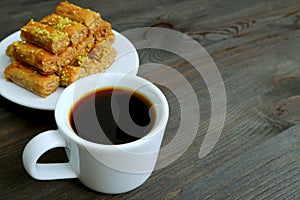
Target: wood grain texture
(255,45)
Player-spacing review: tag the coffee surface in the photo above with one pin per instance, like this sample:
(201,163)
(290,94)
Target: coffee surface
(112,116)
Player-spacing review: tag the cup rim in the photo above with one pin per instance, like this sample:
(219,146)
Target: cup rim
(68,131)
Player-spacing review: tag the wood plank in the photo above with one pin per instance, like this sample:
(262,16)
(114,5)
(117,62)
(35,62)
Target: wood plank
(257,173)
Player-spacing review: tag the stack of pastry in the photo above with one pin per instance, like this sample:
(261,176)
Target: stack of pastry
(59,49)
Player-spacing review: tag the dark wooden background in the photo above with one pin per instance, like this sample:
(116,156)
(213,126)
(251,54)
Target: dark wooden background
(256,46)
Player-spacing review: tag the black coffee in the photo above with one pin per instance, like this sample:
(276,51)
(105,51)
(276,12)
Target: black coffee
(112,116)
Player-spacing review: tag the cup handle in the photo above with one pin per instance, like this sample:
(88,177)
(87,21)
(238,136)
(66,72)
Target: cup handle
(36,148)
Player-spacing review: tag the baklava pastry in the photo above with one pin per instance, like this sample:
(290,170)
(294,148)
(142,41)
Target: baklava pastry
(67,56)
(104,33)
(23,75)
(104,54)
(89,18)
(84,67)
(45,36)
(85,46)
(42,60)
(76,31)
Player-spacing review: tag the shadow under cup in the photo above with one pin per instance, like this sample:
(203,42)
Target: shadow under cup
(113,168)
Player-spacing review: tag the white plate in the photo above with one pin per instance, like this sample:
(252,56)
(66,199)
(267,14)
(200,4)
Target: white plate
(127,62)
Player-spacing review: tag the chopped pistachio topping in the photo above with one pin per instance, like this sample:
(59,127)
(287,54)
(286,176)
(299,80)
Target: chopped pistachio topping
(56,35)
(81,59)
(16,43)
(63,22)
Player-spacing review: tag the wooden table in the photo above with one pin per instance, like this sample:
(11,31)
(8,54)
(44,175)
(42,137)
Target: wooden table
(255,45)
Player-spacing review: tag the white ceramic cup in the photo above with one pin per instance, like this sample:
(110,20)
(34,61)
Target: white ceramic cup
(104,168)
